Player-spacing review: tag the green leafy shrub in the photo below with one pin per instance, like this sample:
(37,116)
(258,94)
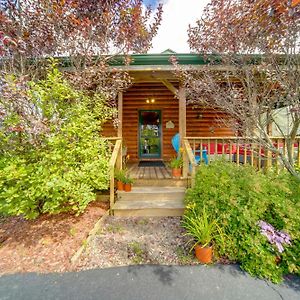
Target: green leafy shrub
(176,163)
(240,197)
(57,164)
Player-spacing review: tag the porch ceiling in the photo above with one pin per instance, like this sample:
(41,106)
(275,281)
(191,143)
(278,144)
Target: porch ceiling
(152,76)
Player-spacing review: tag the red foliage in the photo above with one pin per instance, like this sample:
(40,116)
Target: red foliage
(245,26)
(76,27)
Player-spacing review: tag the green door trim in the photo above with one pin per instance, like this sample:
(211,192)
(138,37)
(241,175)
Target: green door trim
(142,155)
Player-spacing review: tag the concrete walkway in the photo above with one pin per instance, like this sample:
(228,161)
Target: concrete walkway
(148,282)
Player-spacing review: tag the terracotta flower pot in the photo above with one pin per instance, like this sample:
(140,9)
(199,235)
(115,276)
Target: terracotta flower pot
(120,185)
(203,254)
(127,187)
(176,172)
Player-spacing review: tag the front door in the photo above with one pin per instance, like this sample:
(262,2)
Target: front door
(149,134)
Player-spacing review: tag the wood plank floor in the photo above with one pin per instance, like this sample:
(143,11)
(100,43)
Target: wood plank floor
(137,172)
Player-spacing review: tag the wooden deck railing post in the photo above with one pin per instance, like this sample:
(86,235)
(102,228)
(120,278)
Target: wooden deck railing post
(115,160)
(251,155)
(182,114)
(190,157)
(259,157)
(185,169)
(120,114)
(237,152)
(268,162)
(119,159)
(111,190)
(245,153)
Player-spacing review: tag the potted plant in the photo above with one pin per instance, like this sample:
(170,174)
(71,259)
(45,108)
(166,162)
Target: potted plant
(120,176)
(176,165)
(127,183)
(204,230)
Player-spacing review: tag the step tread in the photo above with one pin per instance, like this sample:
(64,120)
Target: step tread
(161,182)
(154,190)
(165,204)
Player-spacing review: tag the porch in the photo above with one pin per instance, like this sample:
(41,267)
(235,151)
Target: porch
(150,172)
(156,193)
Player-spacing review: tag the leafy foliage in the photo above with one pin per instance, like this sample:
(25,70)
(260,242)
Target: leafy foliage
(52,157)
(239,198)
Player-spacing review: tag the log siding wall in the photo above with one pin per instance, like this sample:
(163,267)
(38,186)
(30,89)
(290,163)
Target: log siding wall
(200,121)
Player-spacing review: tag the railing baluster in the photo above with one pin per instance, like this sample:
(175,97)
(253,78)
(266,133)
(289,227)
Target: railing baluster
(237,152)
(277,155)
(293,149)
(251,155)
(208,150)
(216,149)
(194,146)
(269,158)
(245,153)
(259,157)
(201,151)
(223,148)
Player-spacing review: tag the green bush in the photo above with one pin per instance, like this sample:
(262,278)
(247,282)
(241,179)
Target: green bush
(240,197)
(56,169)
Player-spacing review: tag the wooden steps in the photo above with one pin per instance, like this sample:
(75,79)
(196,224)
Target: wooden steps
(150,201)
(161,182)
(152,194)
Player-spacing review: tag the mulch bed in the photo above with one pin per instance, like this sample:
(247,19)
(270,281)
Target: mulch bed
(47,243)
(137,240)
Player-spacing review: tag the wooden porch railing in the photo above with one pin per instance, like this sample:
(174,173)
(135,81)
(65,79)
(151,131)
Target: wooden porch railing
(238,150)
(115,162)
(189,161)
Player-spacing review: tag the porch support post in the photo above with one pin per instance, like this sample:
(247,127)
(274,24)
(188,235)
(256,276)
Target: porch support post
(120,114)
(182,126)
(120,130)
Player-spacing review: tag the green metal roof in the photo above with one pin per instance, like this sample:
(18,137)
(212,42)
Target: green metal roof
(162,59)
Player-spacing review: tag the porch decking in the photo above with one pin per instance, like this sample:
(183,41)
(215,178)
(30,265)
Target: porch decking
(137,172)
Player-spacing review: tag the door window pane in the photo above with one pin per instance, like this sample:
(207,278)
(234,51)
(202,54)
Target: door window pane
(150,139)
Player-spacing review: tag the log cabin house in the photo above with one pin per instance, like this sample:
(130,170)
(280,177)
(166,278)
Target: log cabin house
(150,112)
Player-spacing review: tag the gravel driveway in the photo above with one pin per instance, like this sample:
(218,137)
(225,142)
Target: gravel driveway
(137,240)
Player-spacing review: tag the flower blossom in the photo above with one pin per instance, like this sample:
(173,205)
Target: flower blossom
(274,236)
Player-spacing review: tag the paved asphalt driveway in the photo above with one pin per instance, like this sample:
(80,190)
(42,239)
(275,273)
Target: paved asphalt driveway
(147,282)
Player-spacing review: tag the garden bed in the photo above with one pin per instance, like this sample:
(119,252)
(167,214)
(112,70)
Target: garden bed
(137,240)
(47,243)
